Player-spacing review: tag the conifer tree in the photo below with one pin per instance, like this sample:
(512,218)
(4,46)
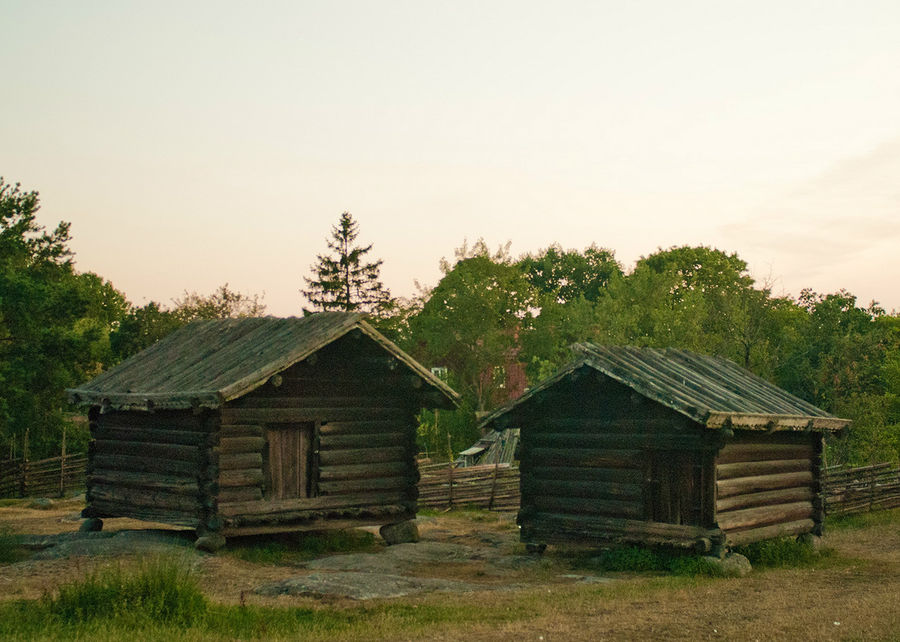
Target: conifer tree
(342,280)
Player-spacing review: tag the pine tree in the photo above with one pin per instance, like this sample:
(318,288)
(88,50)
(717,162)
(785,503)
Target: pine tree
(342,280)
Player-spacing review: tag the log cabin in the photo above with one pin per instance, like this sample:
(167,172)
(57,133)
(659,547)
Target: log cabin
(259,425)
(665,447)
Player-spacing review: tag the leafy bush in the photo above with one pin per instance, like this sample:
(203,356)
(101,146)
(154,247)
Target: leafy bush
(782,552)
(639,559)
(10,546)
(159,591)
(291,549)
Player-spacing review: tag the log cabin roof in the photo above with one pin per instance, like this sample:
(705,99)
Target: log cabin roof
(208,363)
(712,391)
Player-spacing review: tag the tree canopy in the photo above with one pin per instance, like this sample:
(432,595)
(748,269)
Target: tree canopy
(342,279)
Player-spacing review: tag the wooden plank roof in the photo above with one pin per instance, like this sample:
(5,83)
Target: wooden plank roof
(207,363)
(712,391)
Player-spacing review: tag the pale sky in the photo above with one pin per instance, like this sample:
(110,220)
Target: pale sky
(197,143)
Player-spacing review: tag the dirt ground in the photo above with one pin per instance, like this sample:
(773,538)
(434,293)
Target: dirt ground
(857,596)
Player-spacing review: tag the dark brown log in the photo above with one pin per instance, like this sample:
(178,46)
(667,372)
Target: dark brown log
(241,477)
(162,420)
(117,509)
(144,498)
(146,464)
(753,468)
(598,490)
(601,441)
(240,460)
(742,485)
(142,449)
(150,481)
(360,471)
(582,506)
(241,430)
(739,538)
(618,525)
(732,453)
(290,415)
(352,456)
(371,440)
(586,458)
(233,445)
(364,426)
(767,498)
(623,475)
(363,485)
(764,516)
(260,509)
(240,494)
(151,435)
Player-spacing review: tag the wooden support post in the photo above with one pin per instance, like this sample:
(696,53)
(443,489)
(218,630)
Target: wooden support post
(493,485)
(62,465)
(450,497)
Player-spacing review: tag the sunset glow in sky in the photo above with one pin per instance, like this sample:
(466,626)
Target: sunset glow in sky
(193,144)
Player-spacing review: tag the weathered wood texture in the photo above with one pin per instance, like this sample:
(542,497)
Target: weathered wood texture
(861,489)
(157,466)
(768,485)
(593,452)
(52,477)
(334,440)
(494,487)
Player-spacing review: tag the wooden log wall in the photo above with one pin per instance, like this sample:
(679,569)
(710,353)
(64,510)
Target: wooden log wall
(593,451)
(155,466)
(769,485)
(363,446)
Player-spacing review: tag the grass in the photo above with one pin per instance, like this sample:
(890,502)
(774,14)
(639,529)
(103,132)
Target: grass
(10,547)
(865,520)
(784,552)
(292,549)
(636,559)
(156,591)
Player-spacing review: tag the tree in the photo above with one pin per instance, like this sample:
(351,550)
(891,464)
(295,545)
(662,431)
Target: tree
(472,320)
(54,324)
(569,275)
(342,280)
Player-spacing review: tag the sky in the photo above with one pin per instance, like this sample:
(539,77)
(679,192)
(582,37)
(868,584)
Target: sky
(202,143)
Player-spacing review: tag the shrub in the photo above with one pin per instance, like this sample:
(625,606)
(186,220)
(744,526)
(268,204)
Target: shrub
(10,546)
(782,552)
(159,591)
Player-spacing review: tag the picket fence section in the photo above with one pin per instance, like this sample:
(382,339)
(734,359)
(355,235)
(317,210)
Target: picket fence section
(862,489)
(53,477)
(494,487)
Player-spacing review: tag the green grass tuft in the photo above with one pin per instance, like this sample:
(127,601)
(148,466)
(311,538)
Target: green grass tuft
(292,549)
(783,552)
(11,549)
(637,559)
(865,520)
(159,591)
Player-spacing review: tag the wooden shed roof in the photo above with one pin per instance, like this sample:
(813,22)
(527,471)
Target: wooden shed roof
(712,391)
(207,363)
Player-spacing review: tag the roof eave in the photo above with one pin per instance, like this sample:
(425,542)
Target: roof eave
(197,399)
(763,422)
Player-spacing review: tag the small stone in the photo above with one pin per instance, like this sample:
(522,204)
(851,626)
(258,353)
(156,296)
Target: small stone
(403,533)
(813,541)
(91,525)
(210,543)
(732,565)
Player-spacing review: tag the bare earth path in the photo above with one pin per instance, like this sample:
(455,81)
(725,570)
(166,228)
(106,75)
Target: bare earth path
(854,596)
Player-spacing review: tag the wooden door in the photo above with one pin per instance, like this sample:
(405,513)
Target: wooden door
(672,487)
(289,470)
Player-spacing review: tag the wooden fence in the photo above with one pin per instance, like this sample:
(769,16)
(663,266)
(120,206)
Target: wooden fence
(52,477)
(494,487)
(857,490)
